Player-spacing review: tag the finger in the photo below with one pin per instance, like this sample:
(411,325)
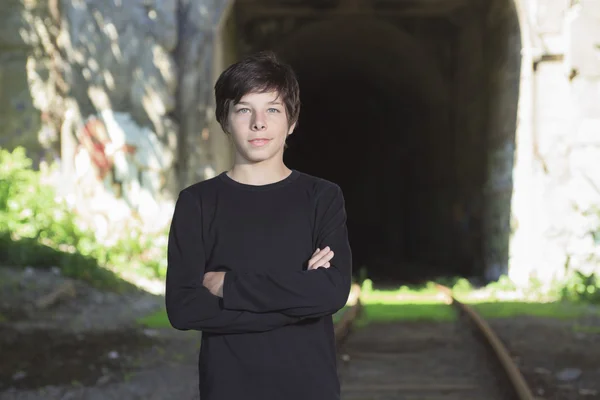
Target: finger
(321,259)
(323,262)
(317,256)
(325,265)
(314,254)
(326,258)
(314,262)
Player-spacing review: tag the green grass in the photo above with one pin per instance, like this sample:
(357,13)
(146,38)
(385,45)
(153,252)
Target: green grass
(428,310)
(421,303)
(507,309)
(374,313)
(158,319)
(407,303)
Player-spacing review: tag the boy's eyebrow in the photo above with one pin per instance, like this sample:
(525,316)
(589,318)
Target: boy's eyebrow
(243,103)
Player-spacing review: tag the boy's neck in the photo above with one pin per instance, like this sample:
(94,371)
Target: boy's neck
(259,174)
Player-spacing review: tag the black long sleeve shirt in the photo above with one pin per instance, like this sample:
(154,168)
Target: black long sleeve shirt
(271,335)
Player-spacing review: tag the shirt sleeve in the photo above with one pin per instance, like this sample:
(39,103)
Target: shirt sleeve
(308,293)
(190,305)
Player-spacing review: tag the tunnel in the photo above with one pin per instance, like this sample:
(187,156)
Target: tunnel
(401,110)
(376,138)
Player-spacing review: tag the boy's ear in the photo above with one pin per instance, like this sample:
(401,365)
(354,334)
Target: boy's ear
(292,127)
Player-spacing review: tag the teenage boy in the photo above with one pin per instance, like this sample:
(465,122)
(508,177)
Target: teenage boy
(259,257)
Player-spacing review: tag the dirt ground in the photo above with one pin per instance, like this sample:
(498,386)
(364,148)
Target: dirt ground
(40,358)
(125,365)
(88,346)
(560,359)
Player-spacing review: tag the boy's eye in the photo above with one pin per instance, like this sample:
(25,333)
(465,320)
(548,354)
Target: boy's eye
(247,110)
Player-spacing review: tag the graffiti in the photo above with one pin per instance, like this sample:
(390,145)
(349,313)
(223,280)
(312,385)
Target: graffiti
(94,139)
(119,164)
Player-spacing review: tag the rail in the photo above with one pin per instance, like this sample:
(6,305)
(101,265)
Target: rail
(353,309)
(512,371)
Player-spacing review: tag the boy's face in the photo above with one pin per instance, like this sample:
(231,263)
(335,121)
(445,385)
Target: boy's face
(258,125)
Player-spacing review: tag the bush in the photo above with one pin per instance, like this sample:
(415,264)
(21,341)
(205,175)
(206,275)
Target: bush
(581,287)
(38,229)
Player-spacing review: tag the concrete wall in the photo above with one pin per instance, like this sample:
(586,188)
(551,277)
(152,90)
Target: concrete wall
(119,137)
(119,92)
(503,65)
(26,88)
(557,174)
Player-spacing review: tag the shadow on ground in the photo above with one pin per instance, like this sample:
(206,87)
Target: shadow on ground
(39,358)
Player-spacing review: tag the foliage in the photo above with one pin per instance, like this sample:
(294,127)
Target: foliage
(39,229)
(581,287)
(594,215)
(396,305)
(502,284)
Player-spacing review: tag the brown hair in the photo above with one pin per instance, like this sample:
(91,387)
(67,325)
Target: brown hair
(258,73)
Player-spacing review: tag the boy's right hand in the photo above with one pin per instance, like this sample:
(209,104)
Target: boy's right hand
(320,258)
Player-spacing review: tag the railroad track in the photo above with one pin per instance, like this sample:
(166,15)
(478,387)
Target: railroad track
(461,359)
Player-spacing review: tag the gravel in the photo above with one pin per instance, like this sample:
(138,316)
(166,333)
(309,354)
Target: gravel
(88,345)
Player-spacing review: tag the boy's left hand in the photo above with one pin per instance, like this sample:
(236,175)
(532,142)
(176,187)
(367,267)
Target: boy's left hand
(321,258)
(213,281)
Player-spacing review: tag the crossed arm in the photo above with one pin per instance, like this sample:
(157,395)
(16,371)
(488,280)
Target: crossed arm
(214,280)
(255,302)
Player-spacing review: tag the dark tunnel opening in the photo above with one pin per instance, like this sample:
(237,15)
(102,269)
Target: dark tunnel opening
(386,115)
(372,143)
(383,141)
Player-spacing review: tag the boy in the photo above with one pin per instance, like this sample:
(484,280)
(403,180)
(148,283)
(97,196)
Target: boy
(251,259)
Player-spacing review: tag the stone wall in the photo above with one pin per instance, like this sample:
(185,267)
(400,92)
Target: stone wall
(202,53)
(27,92)
(557,173)
(119,93)
(503,63)
(568,97)
(119,138)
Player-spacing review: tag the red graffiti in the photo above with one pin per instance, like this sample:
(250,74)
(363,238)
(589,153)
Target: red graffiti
(94,139)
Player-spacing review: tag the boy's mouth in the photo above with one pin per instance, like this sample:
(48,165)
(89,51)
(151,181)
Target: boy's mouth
(259,142)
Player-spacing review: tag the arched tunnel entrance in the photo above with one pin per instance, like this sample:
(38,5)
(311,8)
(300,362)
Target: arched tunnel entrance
(378,138)
(398,112)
